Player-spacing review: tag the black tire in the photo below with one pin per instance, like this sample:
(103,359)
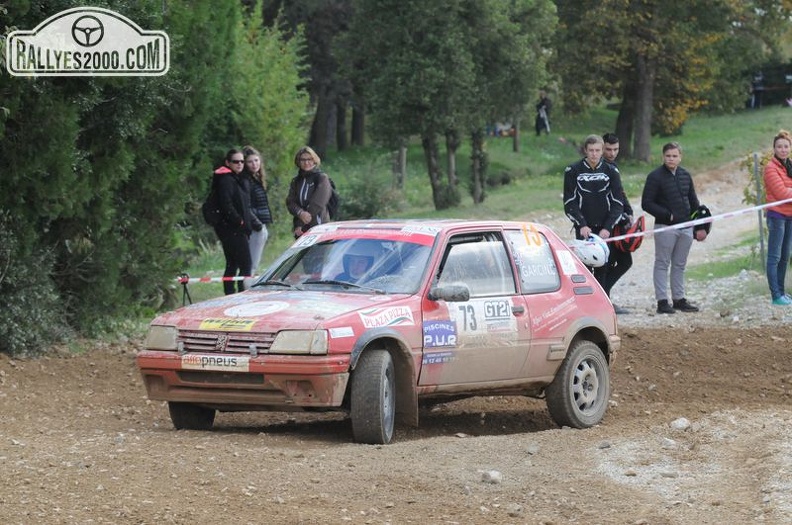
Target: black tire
(186,416)
(578,396)
(373,399)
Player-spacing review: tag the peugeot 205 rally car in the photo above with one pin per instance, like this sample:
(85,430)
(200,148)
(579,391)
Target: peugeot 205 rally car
(371,317)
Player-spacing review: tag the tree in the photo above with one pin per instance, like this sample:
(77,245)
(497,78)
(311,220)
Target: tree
(663,59)
(417,71)
(509,45)
(321,22)
(97,170)
(445,69)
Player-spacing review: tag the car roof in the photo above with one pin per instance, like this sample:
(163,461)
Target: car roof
(437,224)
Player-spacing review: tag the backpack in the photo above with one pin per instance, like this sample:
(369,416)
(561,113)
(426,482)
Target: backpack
(210,208)
(334,203)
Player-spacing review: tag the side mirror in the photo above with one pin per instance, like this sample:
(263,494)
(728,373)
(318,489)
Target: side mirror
(451,293)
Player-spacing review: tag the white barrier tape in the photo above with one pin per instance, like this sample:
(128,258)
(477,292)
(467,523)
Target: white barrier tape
(696,222)
(186,279)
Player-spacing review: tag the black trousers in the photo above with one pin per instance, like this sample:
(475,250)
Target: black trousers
(609,274)
(237,256)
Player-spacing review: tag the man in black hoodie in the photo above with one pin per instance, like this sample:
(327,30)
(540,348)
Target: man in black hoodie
(669,195)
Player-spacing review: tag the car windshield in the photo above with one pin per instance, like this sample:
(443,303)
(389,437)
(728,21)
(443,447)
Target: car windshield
(354,265)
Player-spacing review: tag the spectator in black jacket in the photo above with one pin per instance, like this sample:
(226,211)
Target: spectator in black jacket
(592,197)
(236,221)
(618,261)
(259,204)
(669,195)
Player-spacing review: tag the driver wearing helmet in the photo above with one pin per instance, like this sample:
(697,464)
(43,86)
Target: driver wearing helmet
(357,262)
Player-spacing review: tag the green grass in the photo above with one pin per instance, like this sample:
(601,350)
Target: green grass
(729,261)
(536,172)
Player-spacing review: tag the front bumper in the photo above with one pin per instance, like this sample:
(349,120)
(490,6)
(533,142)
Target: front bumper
(240,382)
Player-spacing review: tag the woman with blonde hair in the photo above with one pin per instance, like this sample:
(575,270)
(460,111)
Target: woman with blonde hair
(309,192)
(778,187)
(259,204)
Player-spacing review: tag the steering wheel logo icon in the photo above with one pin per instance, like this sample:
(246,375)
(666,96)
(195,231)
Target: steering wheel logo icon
(87,31)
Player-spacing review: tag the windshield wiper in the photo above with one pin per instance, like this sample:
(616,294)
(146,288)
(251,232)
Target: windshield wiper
(345,284)
(275,282)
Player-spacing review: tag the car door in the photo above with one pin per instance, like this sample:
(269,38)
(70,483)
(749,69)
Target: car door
(550,307)
(485,338)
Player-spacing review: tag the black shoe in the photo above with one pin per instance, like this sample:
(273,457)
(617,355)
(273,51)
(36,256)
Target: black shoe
(664,308)
(684,306)
(619,310)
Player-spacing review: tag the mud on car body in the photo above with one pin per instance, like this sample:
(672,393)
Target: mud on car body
(369,317)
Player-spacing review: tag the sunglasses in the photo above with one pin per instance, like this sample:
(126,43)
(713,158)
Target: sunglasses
(306,159)
(236,161)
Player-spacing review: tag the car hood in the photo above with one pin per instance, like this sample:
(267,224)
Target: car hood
(270,311)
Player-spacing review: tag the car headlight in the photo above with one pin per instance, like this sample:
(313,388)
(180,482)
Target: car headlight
(300,342)
(161,337)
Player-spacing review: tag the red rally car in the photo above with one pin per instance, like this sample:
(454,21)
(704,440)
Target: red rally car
(369,317)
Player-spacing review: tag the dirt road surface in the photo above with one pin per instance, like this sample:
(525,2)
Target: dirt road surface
(697,433)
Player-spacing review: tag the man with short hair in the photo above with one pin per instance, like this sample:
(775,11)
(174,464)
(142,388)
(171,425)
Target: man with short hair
(669,196)
(619,261)
(592,197)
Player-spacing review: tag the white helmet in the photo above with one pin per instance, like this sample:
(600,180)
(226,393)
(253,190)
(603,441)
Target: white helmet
(593,251)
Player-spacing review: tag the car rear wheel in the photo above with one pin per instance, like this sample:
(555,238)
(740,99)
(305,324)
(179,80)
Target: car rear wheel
(373,398)
(186,416)
(578,396)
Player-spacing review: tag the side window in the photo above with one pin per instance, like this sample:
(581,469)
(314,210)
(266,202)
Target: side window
(534,260)
(482,265)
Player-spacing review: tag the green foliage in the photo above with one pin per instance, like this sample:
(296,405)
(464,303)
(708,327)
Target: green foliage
(269,110)
(365,185)
(31,316)
(99,171)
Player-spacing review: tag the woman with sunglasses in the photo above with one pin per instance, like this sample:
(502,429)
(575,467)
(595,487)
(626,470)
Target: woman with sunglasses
(309,192)
(236,221)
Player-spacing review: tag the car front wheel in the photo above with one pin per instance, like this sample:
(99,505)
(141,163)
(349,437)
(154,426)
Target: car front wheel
(578,396)
(373,398)
(186,416)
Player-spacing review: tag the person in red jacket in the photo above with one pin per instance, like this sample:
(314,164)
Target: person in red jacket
(778,187)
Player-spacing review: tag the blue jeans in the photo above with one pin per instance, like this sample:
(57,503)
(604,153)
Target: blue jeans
(779,242)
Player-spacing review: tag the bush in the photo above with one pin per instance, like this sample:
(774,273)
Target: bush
(31,316)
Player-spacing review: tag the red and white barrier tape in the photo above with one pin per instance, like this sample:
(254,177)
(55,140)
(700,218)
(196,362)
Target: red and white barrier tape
(186,279)
(696,222)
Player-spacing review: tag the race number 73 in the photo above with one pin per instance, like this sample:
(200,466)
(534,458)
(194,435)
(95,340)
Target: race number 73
(468,317)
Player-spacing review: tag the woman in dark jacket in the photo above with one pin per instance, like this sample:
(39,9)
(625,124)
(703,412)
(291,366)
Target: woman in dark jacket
(259,204)
(236,221)
(309,192)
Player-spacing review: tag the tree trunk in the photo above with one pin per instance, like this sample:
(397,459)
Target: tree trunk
(515,136)
(431,154)
(643,107)
(341,124)
(318,137)
(358,124)
(478,171)
(626,119)
(452,144)
(400,165)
